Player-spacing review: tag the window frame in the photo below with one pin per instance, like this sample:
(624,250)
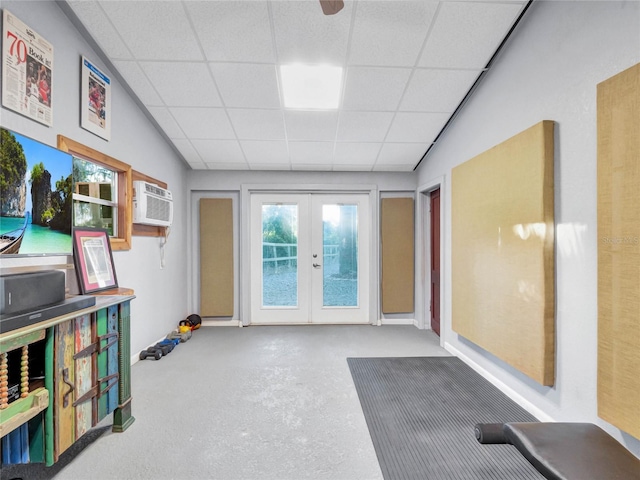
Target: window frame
(124,184)
(99,200)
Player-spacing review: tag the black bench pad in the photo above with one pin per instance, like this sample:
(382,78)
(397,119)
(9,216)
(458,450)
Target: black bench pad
(573,451)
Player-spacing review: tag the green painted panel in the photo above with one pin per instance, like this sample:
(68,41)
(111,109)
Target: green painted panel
(101,329)
(49,377)
(112,358)
(36,439)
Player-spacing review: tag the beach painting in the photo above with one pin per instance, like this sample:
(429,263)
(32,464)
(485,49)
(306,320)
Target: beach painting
(36,183)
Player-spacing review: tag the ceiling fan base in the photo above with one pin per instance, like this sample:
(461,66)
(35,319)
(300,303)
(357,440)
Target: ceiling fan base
(331,7)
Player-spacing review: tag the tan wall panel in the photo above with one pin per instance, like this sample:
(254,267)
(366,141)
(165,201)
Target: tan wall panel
(397,224)
(216,257)
(619,250)
(503,251)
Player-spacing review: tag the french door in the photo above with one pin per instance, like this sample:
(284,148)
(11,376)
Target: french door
(309,258)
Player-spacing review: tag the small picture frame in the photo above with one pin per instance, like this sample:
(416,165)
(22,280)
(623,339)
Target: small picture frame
(93,260)
(95,100)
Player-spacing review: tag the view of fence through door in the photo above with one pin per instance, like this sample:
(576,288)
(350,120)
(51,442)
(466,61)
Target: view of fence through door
(309,257)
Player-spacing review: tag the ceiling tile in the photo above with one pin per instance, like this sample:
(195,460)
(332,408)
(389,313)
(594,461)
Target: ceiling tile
(317,153)
(310,125)
(247,85)
(203,123)
(90,13)
(233,31)
(219,151)
(177,82)
(466,35)
(363,154)
(390,32)
(309,167)
(305,35)
(138,22)
(437,90)
(416,127)
(401,154)
(394,168)
(158,30)
(166,122)
(138,82)
(189,153)
(263,152)
(254,124)
(351,168)
(374,88)
(270,166)
(198,165)
(227,166)
(363,126)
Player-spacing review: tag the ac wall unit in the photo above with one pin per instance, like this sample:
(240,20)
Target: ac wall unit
(152,205)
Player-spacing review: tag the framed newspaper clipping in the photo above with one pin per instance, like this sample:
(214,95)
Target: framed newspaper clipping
(95,100)
(27,70)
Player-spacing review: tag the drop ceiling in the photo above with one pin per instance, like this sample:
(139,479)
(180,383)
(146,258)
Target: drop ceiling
(207,72)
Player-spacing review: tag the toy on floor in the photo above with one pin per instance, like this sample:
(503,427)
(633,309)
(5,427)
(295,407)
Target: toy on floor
(159,350)
(193,321)
(180,336)
(166,345)
(151,352)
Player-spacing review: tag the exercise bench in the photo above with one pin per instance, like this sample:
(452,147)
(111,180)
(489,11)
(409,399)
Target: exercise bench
(565,451)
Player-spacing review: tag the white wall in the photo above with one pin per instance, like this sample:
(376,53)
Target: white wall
(233,180)
(202,184)
(549,71)
(161,292)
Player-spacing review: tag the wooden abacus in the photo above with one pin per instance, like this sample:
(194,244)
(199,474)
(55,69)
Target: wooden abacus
(4,377)
(4,381)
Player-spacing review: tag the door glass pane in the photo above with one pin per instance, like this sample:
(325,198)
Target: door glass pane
(279,255)
(340,255)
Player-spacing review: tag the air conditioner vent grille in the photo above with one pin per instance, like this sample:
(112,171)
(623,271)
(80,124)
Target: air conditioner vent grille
(158,209)
(161,192)
(152,205)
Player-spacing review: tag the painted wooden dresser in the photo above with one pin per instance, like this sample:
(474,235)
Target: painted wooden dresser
(74,370)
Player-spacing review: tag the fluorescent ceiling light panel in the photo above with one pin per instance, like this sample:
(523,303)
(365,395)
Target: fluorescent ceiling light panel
(311,86)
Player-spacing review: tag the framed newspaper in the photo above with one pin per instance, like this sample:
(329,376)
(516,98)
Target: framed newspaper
(95,100)
(27,70)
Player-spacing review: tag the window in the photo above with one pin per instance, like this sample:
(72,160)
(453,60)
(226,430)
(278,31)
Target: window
(102,192)
(94,196)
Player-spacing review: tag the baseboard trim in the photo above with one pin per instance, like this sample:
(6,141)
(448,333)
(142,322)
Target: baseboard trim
(503,387)
(397,321)
(220,323)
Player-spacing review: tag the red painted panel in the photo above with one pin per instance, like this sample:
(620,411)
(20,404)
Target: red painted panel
(435,261)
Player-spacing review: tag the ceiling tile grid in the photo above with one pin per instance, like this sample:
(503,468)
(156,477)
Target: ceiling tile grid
(305,125)
(257,124)
(233,31)
(182,84)
(167,122)
(208,74)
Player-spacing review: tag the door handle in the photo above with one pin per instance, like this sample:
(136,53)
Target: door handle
(316,265)
(72,387)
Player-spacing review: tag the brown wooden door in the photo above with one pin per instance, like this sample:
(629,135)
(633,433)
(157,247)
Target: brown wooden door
(435,261)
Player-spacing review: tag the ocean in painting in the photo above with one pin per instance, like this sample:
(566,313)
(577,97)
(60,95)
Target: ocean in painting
(37,239)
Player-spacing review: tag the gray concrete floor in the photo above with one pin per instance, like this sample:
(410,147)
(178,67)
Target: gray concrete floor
(251,403)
